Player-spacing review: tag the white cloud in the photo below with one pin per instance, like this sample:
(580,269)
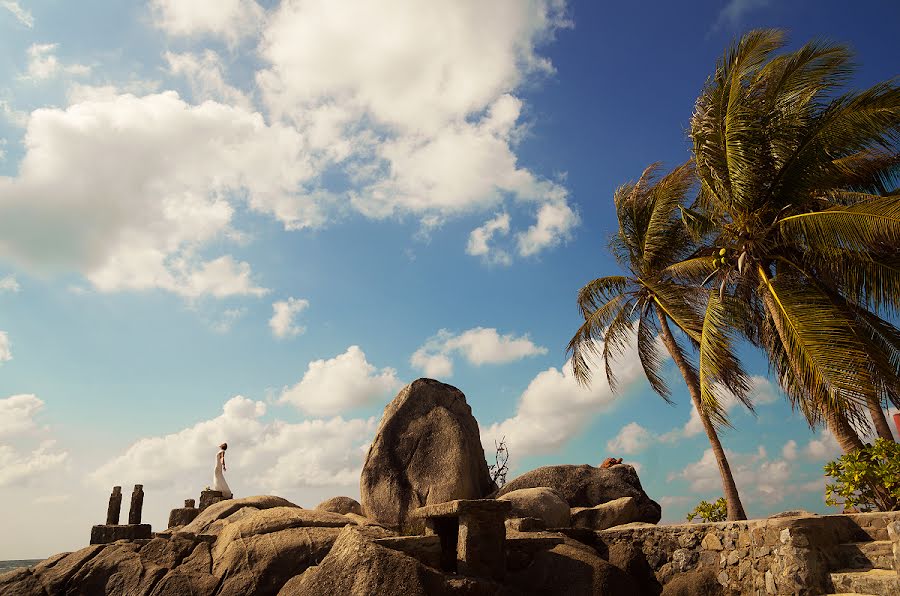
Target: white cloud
(282,321)
(413,101)
(341,383)
(632,438)
(227,319)
(43,63)
(823,448)
(555,222)
(15,117)
(5,350)
(20,464)
(228,19)
(17,414)
(480,237)
(758,478)
(479,346)
(22,15)
(205,74)
(265,457)
(554,408)
(131,189)
(732,13)
(9,284)
(789,451)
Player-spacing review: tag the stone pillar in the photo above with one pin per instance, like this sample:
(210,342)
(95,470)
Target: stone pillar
(480,550)
(137,504)
(115,506)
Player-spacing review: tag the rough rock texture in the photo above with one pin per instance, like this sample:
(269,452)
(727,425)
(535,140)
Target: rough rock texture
(573,569)
(698,582)
(427,450)
(608,515)
(212,519)
(541,502)
(342,505)
(259,547)
(587,486)
(357,566)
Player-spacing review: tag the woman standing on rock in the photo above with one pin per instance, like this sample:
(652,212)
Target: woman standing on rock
(218,475)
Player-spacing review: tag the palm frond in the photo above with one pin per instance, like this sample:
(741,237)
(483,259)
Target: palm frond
(859,227)
(600,291)
(649,355)
(592,332)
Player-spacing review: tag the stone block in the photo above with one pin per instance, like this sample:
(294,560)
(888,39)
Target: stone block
(210,497)
(104,534)
(711,542)
(525,524)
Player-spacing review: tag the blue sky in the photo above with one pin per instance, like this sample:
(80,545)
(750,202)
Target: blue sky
(254,222)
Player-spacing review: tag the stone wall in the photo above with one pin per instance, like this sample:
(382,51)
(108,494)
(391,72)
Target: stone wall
(788,555)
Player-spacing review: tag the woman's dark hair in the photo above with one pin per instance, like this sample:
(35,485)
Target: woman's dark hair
(223,446)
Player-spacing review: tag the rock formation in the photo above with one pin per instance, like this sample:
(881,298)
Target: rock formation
(587,486)
(427,450)
(342,505)
(542,503)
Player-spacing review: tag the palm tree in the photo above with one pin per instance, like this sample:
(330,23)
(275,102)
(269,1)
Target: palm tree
(798,194)
(651,238)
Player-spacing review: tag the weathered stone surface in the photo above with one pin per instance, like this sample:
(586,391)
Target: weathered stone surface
(700,582)
(425,549)
(427,450)
(103,534)
(607,515)
(631,559)
(360,520)
(711,542)
(210,497)
(182,516)
(893,532)
(587,486)
(357,566)
(793,513)
(342,505)
(204,523)
(540,502)
(525,524)
(115,506)
(137,505)
(571,568)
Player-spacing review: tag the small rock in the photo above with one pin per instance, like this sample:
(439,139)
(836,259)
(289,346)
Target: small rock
(711,542)
(770,583)
(723,578)
(733,557)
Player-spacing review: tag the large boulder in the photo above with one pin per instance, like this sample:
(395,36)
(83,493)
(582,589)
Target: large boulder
(342,505)
(427,450)
(606,515)
(587,486)
(542,503)
(357,566)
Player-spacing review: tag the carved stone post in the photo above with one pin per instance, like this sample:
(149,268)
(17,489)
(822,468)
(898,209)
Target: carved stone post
(137,503)
(115,506)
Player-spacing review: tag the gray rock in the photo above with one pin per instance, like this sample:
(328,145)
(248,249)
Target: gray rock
(542,503)
(587,486)
(427,450)
(342,505)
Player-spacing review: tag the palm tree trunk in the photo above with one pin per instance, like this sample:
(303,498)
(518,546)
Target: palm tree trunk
(733,503)
(880,420)
(837,423)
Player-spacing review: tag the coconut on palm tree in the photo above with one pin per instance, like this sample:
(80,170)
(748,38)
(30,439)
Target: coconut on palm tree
(651,237)
(798,192)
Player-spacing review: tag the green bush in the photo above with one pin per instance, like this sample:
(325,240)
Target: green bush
(710,512)
(867,479)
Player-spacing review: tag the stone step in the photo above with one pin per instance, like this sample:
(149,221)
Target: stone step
(866,555)
(879,582)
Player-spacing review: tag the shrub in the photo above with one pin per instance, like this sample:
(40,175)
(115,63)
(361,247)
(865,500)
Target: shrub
(710,512)
(867,479)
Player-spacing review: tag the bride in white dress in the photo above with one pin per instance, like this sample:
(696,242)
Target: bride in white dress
(218,475)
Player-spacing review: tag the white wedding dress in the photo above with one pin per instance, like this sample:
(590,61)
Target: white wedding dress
(219,476)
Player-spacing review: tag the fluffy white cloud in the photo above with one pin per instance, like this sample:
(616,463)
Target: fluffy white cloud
(9,284)
(762,392)
(228,19)
(554,408)
(340,383)
(480,237)
(789,451)
(18,463)
(479,346)
(23,16)
(263,457)
(823,448)
(17,414)
(555,222)
(415,101)
(758,478)
(632,438)
(206,76)
(282,321)
(131,189)
(43,63)
(5,350)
